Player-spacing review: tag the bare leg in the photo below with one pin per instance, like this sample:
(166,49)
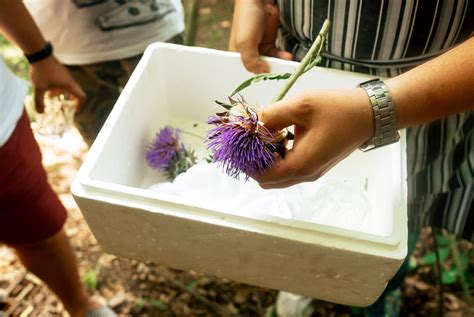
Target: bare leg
(53,261)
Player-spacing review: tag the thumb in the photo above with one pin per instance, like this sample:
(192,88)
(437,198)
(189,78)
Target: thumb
(39,100)
(280,115)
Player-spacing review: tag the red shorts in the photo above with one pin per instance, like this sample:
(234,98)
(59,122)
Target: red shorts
(30,211)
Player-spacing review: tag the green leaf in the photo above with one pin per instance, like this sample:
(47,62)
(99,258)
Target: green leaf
(209,158)
(412,264)
(158,304)
(469,278)
(356,311)
(449,277)
(443,254)
(442,241)
(258,78)
(271,312)
(140,303)
(90,279)
(430,258)
(464,259)
(222,104)
(192,284)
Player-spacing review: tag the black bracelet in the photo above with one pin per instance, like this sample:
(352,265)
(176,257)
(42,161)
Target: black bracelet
(45,52)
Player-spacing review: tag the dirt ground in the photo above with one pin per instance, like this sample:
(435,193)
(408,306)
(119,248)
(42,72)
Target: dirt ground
(133,288)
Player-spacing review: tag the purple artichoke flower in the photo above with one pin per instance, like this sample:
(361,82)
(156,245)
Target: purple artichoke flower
(164,148)
(167,153)
(241,143)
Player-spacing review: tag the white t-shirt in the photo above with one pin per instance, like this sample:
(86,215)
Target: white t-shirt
(93,31)
(12,94)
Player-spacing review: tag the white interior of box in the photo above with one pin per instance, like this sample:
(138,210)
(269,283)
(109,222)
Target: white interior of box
(177,86)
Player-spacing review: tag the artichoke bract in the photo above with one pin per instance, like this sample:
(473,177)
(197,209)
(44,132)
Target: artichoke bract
(240,142)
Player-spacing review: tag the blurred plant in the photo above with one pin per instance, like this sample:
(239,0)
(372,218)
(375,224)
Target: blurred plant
(239,140)
(91,276)
(167,153)
(192,284)
(90,279)
(158,304)
(14,58)
(142,302)
(447,249)
(452,265)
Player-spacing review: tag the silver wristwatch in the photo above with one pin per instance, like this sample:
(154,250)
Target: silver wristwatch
(386,131)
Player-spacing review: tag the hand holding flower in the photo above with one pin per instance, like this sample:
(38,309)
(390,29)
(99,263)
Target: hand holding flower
(329,125)
(239,140)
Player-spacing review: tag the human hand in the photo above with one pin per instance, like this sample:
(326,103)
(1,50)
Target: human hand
(254,32)
(329,125)
(49,75)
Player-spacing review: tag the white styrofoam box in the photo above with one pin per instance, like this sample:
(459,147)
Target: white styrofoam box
(177,85)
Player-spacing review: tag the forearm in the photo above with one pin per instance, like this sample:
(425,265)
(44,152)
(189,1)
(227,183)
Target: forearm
(18,26)
(436,89)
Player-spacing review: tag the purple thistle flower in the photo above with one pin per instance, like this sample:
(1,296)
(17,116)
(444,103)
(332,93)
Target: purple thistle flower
(167,153)
(164,148)
(240,142)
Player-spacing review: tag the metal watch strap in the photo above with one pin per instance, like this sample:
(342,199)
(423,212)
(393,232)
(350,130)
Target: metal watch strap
(386,131)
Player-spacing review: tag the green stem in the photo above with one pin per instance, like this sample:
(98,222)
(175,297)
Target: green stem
(309,57)
(455,251)
(438,269)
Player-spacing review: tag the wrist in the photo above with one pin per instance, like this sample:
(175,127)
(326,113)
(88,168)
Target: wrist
(47,62)
(366,115)
(39,55)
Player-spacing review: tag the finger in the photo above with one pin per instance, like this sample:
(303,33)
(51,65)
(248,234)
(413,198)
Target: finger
(275,52)
(65,97)
(251,59)
(291,170)
(282,170)
(300,163)
(77,91)
(268,42)
(288,183)
(272,17)
(39,100)
(73,89)
(250,37)
(280,115)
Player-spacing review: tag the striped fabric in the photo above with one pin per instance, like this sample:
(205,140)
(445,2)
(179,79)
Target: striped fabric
(385,38)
